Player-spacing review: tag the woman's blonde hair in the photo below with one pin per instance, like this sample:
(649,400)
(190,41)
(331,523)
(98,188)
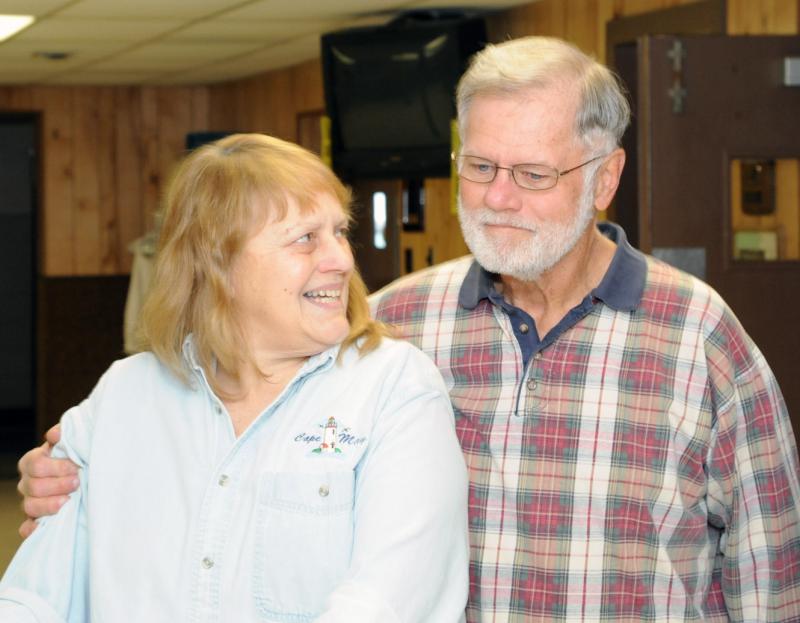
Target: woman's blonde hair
(219,196)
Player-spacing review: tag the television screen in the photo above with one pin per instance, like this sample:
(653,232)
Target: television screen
(389,92)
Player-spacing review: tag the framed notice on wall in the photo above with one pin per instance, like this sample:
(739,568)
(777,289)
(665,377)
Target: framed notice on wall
(755,245)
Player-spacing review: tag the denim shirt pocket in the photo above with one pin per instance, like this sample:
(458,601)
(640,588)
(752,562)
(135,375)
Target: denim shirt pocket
(303,542)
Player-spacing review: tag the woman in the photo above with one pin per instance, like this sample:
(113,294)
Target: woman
(272,456)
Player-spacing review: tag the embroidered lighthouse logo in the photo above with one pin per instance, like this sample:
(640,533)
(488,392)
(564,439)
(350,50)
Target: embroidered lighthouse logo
(329,439)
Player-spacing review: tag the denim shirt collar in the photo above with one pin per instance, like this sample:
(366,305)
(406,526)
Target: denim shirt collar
(621,287)
(320,361)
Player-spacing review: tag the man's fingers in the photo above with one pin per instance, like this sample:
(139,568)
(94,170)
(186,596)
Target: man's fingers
(53,434)
(26,528)
(47,487)
(37,463)
(36,507)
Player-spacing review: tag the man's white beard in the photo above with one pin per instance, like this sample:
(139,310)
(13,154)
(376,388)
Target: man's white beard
(548,242)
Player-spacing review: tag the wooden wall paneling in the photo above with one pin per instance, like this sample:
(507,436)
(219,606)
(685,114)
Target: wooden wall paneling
(5,98)
(109,241)
(308,132)
(449,243)
(271,107)
(200,108)
(307,90)
(259,112)
(243,106)
(773,17)
(787,204)
(86,155)
(149,145)
(57,184)
(174,123)
(127,171)
(221,108)
(285,113)
(22,99)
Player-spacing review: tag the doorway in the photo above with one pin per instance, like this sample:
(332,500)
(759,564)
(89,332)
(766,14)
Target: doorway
(18,269)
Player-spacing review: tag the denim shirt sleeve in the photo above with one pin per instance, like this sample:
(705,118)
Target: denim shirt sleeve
(48,578)
(410,559)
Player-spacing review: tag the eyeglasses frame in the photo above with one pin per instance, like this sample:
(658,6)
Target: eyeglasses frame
(510,169)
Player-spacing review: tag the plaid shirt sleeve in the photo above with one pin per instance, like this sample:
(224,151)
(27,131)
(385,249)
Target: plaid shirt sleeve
(753,491)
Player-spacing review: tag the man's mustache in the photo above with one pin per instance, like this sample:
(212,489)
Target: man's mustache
(488,217)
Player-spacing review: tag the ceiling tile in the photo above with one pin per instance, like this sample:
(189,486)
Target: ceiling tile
(30,7)
(324,9)
(24,52)
(188,41)
(263,31)
(172,56)
(144,9)
(70,29)
(299,50)
(10,75)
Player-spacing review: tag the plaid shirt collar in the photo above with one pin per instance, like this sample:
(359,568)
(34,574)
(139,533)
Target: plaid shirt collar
(621,287)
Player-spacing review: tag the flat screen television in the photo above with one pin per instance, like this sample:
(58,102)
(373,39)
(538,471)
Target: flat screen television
(390,93)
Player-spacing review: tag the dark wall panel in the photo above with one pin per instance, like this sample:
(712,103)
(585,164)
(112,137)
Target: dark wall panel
(80,335)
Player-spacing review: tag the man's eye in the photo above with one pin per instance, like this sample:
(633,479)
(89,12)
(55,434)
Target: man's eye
(305,238)
(481,167)
(532,174)
(343,232)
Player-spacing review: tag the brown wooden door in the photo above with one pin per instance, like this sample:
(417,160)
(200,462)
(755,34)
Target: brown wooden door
(375,236)
(706,106)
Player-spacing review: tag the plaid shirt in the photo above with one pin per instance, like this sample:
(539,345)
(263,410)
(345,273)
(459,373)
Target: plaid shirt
(640,467)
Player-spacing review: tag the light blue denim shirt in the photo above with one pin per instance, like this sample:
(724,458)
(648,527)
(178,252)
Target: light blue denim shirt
(344,501)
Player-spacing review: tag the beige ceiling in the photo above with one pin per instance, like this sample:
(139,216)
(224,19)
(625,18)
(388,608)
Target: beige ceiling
(182,41)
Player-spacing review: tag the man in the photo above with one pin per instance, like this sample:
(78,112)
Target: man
(630,454)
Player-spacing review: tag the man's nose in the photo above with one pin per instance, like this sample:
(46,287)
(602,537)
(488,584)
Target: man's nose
(502,193)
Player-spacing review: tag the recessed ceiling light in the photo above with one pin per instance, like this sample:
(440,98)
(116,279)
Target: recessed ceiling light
(53,55)
(12,24)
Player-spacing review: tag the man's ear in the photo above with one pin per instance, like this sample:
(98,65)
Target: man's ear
(607,179)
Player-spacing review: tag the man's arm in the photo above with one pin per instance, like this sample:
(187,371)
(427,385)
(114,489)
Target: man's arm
(45,483)
(753,483)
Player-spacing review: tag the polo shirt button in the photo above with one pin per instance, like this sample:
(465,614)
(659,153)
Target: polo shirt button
(324,491)
(223,480)
(207,563)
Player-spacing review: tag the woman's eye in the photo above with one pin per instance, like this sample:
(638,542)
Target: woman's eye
(306,237)
(343,232)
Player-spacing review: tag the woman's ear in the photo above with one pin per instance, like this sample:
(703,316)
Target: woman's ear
(607,180)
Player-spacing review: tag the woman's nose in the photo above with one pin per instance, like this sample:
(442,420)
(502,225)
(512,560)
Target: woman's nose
(336,254)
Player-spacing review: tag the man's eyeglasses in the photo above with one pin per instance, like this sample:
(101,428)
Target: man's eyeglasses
(528,176)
